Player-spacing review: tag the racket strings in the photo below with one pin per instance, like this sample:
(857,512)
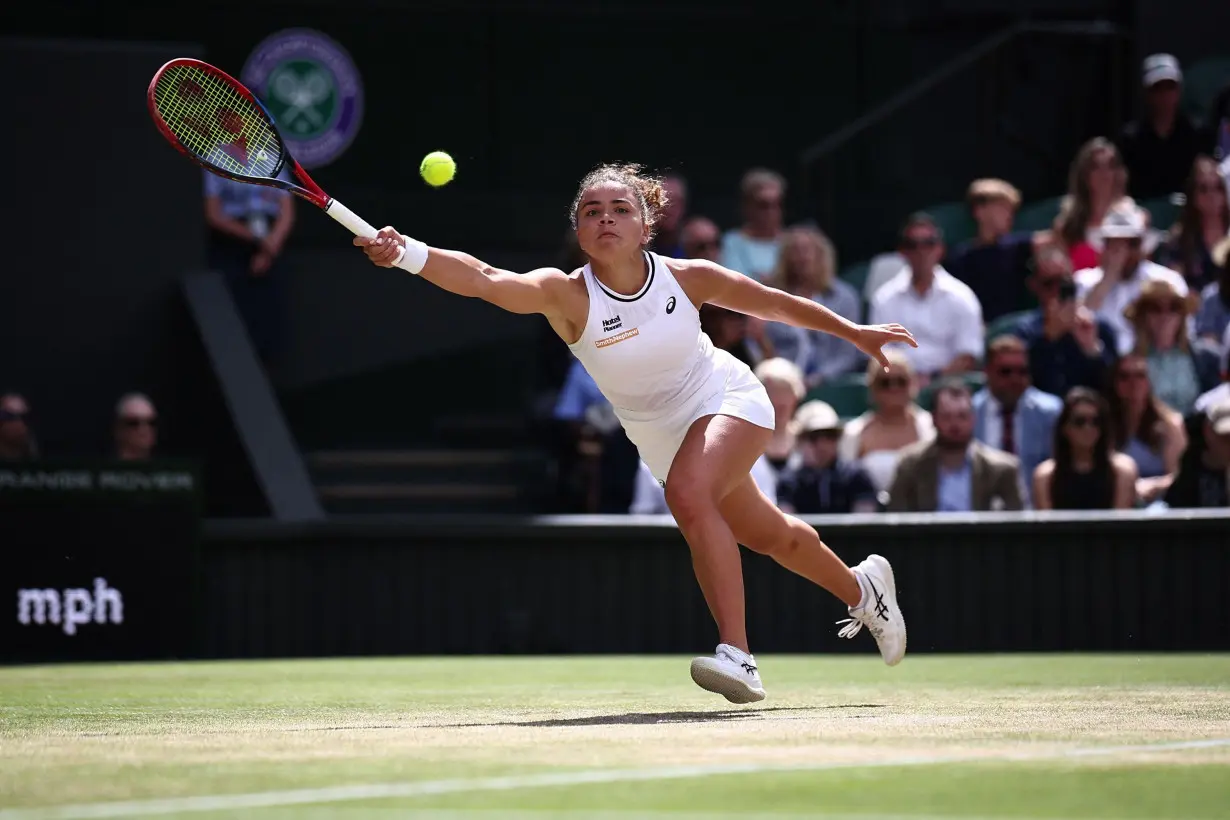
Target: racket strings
(213,120)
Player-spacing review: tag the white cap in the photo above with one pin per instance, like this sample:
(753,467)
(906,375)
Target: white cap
(814,416)
(1159,68)
(1123,222)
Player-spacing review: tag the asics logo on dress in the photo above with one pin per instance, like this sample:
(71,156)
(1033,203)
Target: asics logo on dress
(670,305)
(614,323)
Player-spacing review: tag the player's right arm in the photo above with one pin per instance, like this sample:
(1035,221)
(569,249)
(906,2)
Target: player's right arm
(540,291)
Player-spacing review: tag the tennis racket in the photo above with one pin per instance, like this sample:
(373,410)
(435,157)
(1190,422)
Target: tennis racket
(215,121)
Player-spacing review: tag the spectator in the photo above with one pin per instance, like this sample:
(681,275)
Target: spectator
(17,441)
(995,264)
(1213,318)
(821,484)
(247,229)
(667,233)
(1096,181)
(941,312)
(1084,473)
(1216,142)
(1010,414)
(699,238)
(597,461)
(136,428)
(875,439)
(807,267)
(1144,428)
(1067,345)
(1222,391)
(1179,369)
(783,381)
(953,472)
(1158,148)
(649,496)
(752,249)
(1202,224)
(727,329)
(1204,475)
(1109,289)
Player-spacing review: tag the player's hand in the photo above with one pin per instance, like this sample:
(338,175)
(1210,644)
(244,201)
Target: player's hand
(383,249)
(871,338)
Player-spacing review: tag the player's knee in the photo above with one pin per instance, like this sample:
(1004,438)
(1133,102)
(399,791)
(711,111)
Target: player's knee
(688,502)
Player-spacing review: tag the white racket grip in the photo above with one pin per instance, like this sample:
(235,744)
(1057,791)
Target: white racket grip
(356,224)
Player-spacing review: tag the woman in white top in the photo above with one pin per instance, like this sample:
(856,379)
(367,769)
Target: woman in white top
(698,416)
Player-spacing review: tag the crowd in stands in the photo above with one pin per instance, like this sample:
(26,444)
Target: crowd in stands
(133,434)
(1080,365)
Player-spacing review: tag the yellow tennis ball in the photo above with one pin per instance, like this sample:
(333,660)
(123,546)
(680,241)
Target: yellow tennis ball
(437,168)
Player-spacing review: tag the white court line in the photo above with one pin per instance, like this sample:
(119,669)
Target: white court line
(379,791)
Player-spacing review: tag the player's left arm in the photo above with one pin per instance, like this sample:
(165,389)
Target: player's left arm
(709,282)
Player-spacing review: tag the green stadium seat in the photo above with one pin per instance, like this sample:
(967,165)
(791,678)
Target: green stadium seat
(856,275)
(1202,81)
(1038,215)
(954,220)
(847,394)
(1005,324)
(1164,213)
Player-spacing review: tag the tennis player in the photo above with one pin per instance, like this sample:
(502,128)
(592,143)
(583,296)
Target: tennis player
(698,416)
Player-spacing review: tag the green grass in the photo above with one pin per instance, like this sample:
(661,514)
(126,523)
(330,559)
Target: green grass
(957,736)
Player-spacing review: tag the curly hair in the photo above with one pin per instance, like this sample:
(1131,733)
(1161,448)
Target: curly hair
(648,190)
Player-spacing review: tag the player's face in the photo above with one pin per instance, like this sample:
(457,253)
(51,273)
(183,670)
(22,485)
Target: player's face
(609,222)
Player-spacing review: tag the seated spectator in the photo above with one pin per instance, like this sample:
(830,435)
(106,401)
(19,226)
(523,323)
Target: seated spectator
(995,264)
(667,234)
(1216,142)
(1143,427)
(806,267)
(1084,473)
(820,484)
(136,428)
(1204,474)
(649,496)
(875,439)
(1202,224)
(1109,289)
(1067,345)
(752,248)
(1158,148)
(699,238)
(1096,181)
(941,311)
(17,441)
(783,381)
(597,461)
(1213,318)
(1010,414)
(953,472)
(1179,369)
(1222,391)
(727,329)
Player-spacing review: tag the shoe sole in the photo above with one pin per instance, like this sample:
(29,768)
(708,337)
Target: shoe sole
(709,677)
(886,573)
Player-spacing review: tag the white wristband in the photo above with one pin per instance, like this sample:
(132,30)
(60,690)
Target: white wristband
(415,256)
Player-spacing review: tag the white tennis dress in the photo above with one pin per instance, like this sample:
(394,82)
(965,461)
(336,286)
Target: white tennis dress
(648,356)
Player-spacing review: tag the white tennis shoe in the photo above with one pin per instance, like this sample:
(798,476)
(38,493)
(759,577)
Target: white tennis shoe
(879,611)
(730,673)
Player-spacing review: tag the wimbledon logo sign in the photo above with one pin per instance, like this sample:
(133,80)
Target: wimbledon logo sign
(312,88)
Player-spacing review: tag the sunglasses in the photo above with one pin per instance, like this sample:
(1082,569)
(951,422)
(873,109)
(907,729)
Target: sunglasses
(133,422)
(704,244)
(1132,375)
(1169,307)
(821,435)
(1007,372)
(888,382)
(1083,421)
(10,415)
(914,244)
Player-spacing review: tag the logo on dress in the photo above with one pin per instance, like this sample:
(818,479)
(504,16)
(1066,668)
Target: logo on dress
(670,305)
(614,323)
(617,338)
(312,88)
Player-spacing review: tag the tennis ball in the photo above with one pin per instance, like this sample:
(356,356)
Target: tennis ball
(437,168)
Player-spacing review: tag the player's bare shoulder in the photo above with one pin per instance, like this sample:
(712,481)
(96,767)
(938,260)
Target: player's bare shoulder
(699,278)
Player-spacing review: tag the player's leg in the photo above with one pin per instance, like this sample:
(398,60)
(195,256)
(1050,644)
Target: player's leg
(868,590)
(716,455)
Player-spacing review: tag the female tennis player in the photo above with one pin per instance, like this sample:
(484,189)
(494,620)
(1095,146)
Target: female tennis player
(698,416)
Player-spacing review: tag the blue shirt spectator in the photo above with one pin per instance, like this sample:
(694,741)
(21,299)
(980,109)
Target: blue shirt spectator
(995,263)
(579,393)
(1214,315)
(1068,346)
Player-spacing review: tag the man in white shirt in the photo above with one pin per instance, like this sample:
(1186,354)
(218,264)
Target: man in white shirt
(1220,393)
(940,310)
(1109,289)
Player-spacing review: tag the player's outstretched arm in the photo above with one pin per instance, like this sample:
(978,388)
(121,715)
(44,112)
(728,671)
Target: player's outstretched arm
(460,273)
(734,291)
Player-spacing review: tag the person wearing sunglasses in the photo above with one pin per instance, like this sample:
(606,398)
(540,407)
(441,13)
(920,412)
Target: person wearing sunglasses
(16,439)
(1204,474)
(1180,369)
(1012,415)
(1084,473)
(136,428)
(752,248)
(1143,427)
(822,484)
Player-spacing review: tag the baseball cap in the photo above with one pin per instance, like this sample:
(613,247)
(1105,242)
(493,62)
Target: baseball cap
(1158,68)
(1219,417)
(815,416)
(1123,222)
